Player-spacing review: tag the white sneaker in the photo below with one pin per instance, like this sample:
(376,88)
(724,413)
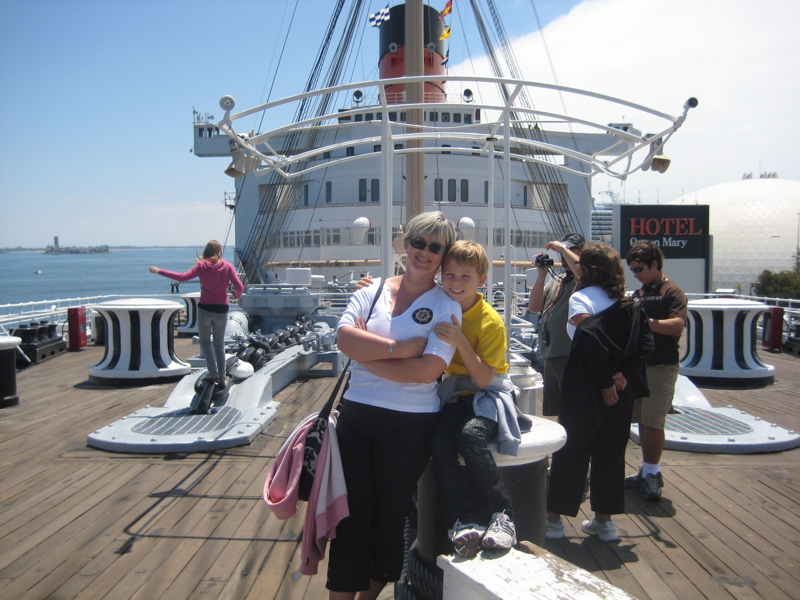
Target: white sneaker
(466,538)
(605,531)
(555,531)
(501,534)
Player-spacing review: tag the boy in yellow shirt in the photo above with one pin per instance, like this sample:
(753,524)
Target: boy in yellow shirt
(477,396)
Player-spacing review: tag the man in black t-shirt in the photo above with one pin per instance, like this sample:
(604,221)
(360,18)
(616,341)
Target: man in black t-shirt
(665,305)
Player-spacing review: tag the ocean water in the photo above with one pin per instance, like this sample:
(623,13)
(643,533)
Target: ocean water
(63,276)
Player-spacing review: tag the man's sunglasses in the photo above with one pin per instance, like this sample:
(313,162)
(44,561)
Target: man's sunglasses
(420,244)
(638,269)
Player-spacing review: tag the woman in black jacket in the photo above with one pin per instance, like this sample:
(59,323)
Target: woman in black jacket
(605,372)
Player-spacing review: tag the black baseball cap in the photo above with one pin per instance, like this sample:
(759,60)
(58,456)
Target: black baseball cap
(573,240)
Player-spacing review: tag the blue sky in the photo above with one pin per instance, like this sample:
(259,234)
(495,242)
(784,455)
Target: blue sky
(98,97)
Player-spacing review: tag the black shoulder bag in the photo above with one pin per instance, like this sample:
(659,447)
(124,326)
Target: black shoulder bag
(314,437)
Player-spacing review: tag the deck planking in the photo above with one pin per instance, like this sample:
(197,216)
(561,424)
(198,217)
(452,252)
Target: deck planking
(76,522)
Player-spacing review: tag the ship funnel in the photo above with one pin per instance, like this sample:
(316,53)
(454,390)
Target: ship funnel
(392,61)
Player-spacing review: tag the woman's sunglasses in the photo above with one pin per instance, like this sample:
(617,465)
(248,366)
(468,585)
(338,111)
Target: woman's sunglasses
(638,269)
(420,244)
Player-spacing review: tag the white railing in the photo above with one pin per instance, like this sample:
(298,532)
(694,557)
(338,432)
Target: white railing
(55,311)
(260,152)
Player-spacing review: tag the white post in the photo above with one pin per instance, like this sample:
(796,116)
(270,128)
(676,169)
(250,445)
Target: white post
(490,225)
(508,299)
(386,187)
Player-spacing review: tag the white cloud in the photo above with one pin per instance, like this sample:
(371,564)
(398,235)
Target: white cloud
(740,58)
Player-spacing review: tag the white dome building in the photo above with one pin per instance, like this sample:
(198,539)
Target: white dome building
(755,225)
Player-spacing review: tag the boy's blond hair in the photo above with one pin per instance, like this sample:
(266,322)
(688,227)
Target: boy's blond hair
(470,254)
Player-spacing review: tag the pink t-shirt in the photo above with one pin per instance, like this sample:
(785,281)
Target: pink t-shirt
(214,280)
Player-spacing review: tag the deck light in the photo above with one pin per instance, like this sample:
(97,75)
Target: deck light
(655,159)
(242,163)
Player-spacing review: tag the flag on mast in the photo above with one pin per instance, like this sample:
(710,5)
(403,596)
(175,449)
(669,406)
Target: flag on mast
(379,17)
(448,8)
(446,57)
(446,34)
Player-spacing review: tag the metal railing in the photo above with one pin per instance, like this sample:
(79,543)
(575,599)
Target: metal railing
(55,311)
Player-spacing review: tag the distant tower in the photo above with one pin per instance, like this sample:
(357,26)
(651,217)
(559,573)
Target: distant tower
(55,241)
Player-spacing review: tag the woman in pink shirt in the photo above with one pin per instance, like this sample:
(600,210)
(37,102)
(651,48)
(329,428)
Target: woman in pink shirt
(215,275)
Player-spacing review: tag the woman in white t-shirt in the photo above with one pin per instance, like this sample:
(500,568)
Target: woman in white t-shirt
(390,408)
(605,372)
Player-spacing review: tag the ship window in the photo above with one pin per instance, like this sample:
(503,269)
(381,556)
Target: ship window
(403,116)
(465,190)
(524,195)
(375,190)
(456,117)
(199,132)
(486,192)
(451,190)
(434,115)
(359,117)
(351,151)
(468,119)
(316,238)
(393,115)
(445,117)
(376,148)
(362,190)
(445,146)
(368,116)
(326,154)
(438,190)
(398,146)
(305,194)
(379,116)
(333,237)
(328,192)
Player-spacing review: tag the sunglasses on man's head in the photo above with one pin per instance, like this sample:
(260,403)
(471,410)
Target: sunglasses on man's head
(638,269)
(420,244)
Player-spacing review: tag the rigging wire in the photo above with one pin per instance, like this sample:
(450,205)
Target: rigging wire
(354,62)
(559,212)
(551,64)
(278,198)
(280,61)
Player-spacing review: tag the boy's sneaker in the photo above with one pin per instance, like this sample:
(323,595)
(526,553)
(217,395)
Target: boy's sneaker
(651,487)
(605,531)
(466,538)
(501,534)
(555,531)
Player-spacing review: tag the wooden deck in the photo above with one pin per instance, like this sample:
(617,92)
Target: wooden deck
(82,523)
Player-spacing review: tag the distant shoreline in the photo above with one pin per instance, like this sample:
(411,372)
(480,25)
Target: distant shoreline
(44,248)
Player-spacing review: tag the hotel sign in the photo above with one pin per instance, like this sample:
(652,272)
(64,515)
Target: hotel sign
(680,231)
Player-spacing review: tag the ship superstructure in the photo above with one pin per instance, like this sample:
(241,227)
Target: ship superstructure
(328,189)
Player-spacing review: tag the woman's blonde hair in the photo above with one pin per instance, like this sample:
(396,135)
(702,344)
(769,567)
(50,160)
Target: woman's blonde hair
(434,226)
(212,252)
(601,265)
